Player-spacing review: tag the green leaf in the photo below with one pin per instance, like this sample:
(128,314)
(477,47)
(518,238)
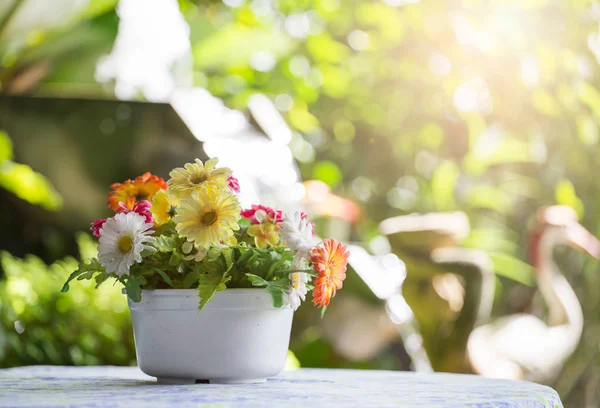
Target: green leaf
(213,253)
(100,279)
(190,279)
(85,271)
(175,259)
(165,277)
(257,280)
(275,288)
(228,257)
(209,284)
(277,294)
(133,287)
(165,243)
(246,256)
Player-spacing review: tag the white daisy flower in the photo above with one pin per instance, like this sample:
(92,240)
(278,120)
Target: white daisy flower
(122,240)
(297,292)
(297,233)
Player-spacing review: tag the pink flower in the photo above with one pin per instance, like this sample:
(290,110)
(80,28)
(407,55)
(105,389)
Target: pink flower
(233,184)
(250,214)
(96,226)
(141,207)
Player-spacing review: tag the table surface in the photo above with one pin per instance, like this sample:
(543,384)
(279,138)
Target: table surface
(48,386)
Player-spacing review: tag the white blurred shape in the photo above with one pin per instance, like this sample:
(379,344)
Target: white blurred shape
(206,116)
(530,72)
(488,141)
(358,40)
(298,25)
(262,8)
(473,96)
(538,149)
(268,118)
(152,52)
(401,198)
(363,188)
(283,102)
(299,66)
(384,275)
(439,64)
(426,163)
(234,3)
(263,61)
(466,34)
(380,245)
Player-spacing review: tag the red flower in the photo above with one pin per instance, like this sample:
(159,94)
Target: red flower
(274,216)
(329,259)
(233,184)
(141,207)
(96,226)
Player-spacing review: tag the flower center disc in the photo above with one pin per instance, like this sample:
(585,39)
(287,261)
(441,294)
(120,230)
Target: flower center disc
(198,178)
(209,218)
(125,244)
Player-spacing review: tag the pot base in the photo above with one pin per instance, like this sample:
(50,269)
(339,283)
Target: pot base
(175,380)
(187,381)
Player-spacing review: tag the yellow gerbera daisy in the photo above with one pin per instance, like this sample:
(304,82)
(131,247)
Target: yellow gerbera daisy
(163,207)
(208,217)
(196,177)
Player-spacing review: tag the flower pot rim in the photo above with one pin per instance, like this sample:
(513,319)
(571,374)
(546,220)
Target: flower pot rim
(237,291)
(187,300)
(188,292)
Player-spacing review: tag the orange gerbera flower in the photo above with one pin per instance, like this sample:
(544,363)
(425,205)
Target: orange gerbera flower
(330,260)
(131,191)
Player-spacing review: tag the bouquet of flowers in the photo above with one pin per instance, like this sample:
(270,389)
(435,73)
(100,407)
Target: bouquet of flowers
(191,233)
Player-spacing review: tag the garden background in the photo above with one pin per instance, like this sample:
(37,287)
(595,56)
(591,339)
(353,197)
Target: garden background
(487,107)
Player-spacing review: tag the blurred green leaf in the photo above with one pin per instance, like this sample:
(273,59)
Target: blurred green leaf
(28,185)
(236,44)
(487,196)
(566,195)
(432,135)
(328,172)
(590,96)
(6,151)
(512,268)
(443,183)
(324,48)
(40,325)
(545,103)
(587,130)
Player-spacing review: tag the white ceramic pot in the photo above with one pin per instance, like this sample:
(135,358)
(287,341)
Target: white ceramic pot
(239,337)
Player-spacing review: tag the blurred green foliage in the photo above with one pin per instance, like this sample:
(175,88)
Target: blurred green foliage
(40,325)
(25,183)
